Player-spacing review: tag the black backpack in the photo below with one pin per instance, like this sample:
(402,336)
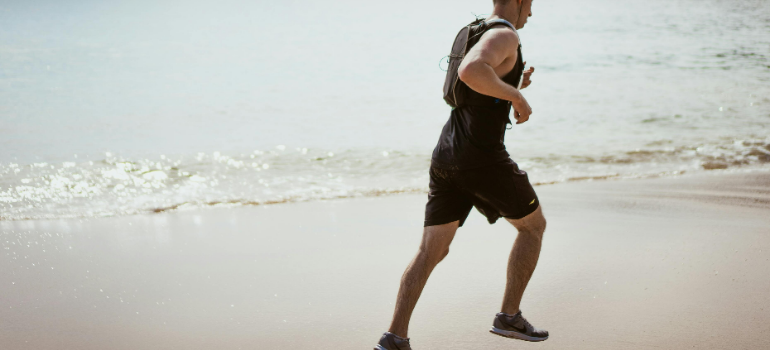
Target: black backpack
(455,90)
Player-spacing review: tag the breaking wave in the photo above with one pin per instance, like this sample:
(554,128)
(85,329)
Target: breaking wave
(119,186)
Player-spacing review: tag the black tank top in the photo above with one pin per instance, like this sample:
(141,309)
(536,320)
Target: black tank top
(473,136)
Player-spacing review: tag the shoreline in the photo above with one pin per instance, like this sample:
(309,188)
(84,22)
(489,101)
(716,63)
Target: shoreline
(375,193)
(667,262)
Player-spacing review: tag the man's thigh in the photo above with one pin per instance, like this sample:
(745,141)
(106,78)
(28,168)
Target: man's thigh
(500,190)
(446,203)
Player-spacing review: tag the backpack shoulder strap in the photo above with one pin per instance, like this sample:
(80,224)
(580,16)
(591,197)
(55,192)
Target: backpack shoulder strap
(500,21)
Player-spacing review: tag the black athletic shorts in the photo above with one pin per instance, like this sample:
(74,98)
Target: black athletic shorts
(499,190)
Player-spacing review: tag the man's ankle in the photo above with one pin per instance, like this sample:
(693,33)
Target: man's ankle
(507,312)
(399,334)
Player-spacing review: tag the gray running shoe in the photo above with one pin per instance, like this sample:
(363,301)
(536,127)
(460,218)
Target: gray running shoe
(390,341)
(518,327)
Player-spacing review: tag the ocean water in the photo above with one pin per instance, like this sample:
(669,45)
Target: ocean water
(127,107)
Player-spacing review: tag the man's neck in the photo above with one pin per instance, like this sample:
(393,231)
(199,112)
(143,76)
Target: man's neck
(508,13)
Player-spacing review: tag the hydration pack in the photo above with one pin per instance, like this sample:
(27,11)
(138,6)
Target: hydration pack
(455,90)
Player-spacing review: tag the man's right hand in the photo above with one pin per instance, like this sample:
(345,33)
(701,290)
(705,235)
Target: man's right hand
(521,110)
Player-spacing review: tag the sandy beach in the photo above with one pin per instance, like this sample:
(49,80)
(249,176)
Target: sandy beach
(203,176)
(669,263)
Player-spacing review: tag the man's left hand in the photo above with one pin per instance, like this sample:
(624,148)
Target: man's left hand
(527,75)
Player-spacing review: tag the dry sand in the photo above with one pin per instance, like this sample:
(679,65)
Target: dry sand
(666,263)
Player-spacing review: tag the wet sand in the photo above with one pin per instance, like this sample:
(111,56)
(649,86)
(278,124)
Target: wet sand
(668,263)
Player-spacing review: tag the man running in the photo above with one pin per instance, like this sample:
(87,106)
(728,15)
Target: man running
(471,168)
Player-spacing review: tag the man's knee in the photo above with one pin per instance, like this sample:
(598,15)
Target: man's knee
(537,226)
(440,255)
(434,253)
(534,232)
(533,227)
(540,226)
(436,241)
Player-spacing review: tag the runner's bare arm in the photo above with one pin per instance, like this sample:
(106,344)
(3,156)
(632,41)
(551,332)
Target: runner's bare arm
(496,48)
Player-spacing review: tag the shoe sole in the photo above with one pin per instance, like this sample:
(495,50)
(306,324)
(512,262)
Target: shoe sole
(514,334)
(379,347)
